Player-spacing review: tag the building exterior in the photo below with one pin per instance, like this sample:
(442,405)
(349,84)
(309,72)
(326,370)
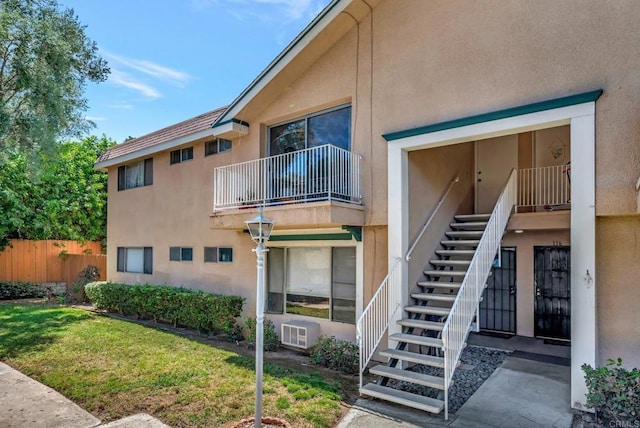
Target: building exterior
(383,116)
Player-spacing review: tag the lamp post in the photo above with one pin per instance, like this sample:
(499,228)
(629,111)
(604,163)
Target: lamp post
(260,229)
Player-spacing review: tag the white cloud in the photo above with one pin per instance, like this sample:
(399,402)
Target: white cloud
(122,106)
(123,79)
(95,118)
(166,74)
(266,10)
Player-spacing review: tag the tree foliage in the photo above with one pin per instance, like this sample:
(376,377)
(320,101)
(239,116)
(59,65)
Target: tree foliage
(45,61)
(66,198)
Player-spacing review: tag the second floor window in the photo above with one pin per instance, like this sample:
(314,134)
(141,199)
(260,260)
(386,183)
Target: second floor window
(219,145)
(135,174)
(326,127)
(181,155)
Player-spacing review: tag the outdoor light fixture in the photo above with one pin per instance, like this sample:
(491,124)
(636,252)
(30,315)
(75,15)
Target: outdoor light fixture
(260,229)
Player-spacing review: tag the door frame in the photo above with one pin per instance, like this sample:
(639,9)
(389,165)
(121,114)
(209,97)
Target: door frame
(514,249)
(537,248)
(578,111)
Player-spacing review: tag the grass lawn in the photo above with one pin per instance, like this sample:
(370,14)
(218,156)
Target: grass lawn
(116,368)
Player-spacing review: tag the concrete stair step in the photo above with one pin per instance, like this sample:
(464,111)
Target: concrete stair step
(460,263)
(425,325)
(428,310)
(417,340)
(440,284)
(432,297)
(408,376)
(464,233)
(460,243)
(413,357)
(408,399)
(472,217)
(460,273)
(475,225)
(453,253)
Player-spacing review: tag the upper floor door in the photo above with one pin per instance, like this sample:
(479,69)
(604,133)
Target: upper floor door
(495,159)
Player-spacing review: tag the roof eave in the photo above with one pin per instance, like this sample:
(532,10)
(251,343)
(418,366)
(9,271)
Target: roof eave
(185,139)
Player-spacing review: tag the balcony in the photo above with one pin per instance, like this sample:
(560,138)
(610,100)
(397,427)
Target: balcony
(314,187)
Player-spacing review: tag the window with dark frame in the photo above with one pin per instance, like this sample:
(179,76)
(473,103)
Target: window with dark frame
(135,174)
(181,155)
(315,281)
(181,254)
(135,260)
(219,145)
(218,254)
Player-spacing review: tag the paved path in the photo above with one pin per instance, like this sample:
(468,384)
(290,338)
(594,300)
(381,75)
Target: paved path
(520,393)
(25,402)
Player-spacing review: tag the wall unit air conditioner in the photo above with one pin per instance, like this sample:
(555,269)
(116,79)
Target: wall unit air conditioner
(299,334)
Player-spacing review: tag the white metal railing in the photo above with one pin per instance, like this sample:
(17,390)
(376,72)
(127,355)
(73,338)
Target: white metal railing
(374,320)
(465,307)
(546,186)
(316,174)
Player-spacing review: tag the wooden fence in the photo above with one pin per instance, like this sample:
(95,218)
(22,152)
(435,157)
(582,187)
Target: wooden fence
(49,261)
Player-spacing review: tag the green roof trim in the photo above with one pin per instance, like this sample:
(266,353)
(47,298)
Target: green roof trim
(497,115)
(234,120)
(355,231)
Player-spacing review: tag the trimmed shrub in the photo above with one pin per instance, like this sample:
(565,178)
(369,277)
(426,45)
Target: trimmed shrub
(21,290)
(205,312)
(271,340)
(613,392)
(336,354)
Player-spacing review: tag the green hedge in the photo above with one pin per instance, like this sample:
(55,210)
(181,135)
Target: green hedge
(205,312)
(20,290)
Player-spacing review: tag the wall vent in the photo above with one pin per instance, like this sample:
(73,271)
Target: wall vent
(299,334)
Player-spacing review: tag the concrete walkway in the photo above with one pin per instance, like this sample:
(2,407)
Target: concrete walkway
(25,402)
(520,393)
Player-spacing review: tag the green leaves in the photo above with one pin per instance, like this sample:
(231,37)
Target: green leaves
(613,391)
(61,196)
(45,61)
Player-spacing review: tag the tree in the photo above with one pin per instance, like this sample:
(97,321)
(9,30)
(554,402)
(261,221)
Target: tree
(66,199)
(45,61)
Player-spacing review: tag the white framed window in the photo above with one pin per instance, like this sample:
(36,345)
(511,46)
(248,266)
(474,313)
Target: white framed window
(313,281)
(219,145)
(218,254)
(181,254)
(135,260)
(181,155)
(135,174)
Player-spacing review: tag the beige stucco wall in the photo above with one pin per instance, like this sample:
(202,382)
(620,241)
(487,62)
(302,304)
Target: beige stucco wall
(424,62)
(618,292)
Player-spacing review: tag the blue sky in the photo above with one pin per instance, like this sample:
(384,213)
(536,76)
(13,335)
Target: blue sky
(174,59)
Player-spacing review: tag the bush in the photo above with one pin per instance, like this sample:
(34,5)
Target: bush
(613,392)
(205,312)
(271,341)
(336,354)
(86,275)
(20,290)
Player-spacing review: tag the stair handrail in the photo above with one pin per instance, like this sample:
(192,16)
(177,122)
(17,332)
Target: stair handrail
(374,320)
(464,308)
(426,224)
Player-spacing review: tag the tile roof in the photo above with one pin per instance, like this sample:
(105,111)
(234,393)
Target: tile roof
(181,129)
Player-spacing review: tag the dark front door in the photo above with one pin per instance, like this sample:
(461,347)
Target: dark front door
(498,306)
(552,272)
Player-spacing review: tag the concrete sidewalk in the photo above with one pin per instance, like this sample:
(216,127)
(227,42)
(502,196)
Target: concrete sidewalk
(25,402)
(520,393)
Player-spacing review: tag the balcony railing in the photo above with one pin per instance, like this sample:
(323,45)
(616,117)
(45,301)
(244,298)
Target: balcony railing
(324,173)
(546,187)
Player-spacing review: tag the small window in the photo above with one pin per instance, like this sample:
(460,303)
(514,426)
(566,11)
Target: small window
(218,254)
(182,155)
(135,174)
(181,254)
(135,260)
(218,145)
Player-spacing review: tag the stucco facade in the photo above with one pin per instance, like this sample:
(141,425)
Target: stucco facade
(402,64)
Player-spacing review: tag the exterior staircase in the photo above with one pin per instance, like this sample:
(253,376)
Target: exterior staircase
(420,341)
